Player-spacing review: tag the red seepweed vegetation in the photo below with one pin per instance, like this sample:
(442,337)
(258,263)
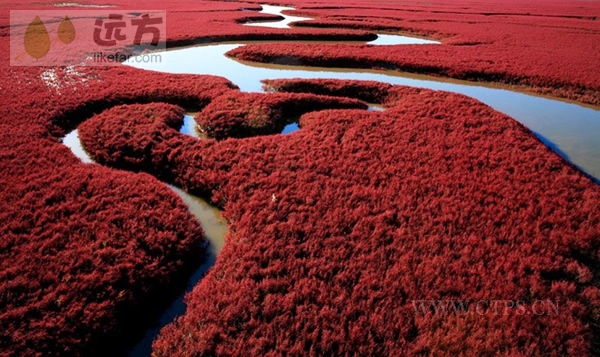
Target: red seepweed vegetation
(337,228)
(237,115)
(368,91)
(548,48)
(86,255)
(89,255)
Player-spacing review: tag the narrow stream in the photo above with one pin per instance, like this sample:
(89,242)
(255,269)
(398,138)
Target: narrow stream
(215,229)
(277,10)
(209,217)
(570,129)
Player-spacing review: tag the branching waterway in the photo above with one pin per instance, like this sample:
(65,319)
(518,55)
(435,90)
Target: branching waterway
(570,129)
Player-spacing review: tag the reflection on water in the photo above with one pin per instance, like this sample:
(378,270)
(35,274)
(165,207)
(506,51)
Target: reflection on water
(400,40)
(571,129)
(287,19)
(290,128)
(189,126)
(71,140)
(279,24)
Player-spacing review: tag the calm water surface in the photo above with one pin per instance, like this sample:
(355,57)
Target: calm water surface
(570,129)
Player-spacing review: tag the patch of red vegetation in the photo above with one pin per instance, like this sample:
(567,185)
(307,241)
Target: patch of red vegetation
(368,91)
(87,255)
(109,135)
(549,48)
(143,137)
(418,59)
(227,25)
(336,229)
(238,115)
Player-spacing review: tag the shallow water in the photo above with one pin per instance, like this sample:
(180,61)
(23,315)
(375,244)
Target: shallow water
(71,140)
(290,128)
(189,126)
(212,222)
(382,39)
(210,218)
(570,129)
(277,10)
(215,229)
(375,108)
(386,40)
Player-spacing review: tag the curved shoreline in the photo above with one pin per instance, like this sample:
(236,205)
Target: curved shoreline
(569,129)
(213,225)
